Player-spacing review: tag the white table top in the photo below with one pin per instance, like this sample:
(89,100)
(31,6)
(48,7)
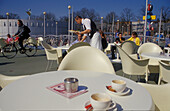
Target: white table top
(114,43)
(156,56)
(30,93)
(63,47)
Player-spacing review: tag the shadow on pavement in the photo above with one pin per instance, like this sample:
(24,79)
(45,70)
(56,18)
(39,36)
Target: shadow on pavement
(5,63)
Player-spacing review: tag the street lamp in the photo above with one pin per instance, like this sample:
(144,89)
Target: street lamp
(8,21)
(56,29)
(101,23)
(69,7)
(117,24)
(44,22)
(122,29)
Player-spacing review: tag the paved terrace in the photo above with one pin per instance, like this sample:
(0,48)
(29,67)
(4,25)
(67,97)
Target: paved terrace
(23,65)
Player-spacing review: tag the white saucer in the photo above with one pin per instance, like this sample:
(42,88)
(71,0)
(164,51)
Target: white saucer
(126,91)
(112,108)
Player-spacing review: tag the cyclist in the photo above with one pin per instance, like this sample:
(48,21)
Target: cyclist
(22,33)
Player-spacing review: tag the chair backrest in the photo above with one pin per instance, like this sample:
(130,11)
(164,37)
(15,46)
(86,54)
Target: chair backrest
(164,71)
(79,44)
(2,43)
(149,47)
(46,45)
(5,80)
(130,65)
(160,95)
(51,53)
(32,40)
(87,58)
(129,47)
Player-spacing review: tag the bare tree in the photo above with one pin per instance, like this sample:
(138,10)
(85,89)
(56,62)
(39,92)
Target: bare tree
(165,14)
(127,15)
(88,13)
(109,17)
(13,16)
(63,19)
(49,16)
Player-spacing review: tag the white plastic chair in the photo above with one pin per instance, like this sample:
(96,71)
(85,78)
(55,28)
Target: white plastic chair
(132,66)
(52,54)
(160,95)
(129,47)
(150,48)
(5,80)
(164,72)
(87,58)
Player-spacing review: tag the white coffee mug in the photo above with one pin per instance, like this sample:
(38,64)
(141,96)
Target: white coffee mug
(118,85)
(100,101)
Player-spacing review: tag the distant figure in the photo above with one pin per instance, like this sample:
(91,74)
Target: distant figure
(104,41)
(9,39)
(134,38)
(120,40)
(117,34)
(23,33)
(77,40)
(90,30)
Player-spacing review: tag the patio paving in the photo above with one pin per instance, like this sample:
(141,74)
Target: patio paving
(23,65)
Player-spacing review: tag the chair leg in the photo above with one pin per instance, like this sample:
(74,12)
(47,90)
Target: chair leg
(47,65)
(51,64)
(123,74)
(138,78)
(146,76)
(159,82)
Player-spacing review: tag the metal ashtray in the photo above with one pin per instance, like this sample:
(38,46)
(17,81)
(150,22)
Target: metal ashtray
(71,85)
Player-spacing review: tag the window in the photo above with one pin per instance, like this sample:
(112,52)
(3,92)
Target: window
(10,24)
(15,24)
(27,23)
(37,24)
(4,24)
(52,25)
(32,24)
(42,24)
(47,24)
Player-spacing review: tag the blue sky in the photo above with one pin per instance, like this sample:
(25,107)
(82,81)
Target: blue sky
(59,7)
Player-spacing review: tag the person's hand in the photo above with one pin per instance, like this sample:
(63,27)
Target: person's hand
(13,35)
(77,32)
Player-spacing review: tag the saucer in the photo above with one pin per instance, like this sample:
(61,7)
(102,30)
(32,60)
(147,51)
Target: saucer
(89,107)
(126,91)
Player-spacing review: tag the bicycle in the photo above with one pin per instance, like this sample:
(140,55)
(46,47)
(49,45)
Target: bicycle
(10,50)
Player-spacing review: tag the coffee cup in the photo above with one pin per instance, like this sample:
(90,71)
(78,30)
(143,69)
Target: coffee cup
(118,85)
(100,101)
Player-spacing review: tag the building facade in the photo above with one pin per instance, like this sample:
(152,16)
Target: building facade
(36,27)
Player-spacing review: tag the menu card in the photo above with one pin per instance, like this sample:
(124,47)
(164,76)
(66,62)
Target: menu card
(59,89)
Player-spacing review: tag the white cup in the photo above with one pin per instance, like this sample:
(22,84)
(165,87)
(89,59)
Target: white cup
(118,85)
(100,101)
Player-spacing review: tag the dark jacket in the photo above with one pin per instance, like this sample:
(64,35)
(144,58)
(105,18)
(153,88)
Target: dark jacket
(22,33)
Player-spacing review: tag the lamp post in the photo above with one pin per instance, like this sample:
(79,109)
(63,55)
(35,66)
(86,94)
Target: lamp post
(8,21)
(44,22)
(101,23)
(69,7)
(122,29)
(145,25)
(117,24)
(113,24)
(56,29)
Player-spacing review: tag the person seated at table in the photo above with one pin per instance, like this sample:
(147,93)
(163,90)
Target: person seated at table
(120,40)
(77,40)
(135,39)
(9,39)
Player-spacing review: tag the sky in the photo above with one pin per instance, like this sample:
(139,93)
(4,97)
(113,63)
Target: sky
(60,7)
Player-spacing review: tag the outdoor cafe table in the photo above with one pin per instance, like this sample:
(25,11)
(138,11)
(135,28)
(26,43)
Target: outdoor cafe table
(157,56)
(63,47)
(30,93)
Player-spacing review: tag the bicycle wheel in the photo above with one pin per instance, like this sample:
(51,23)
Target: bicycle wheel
(9,51)
(30,49)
